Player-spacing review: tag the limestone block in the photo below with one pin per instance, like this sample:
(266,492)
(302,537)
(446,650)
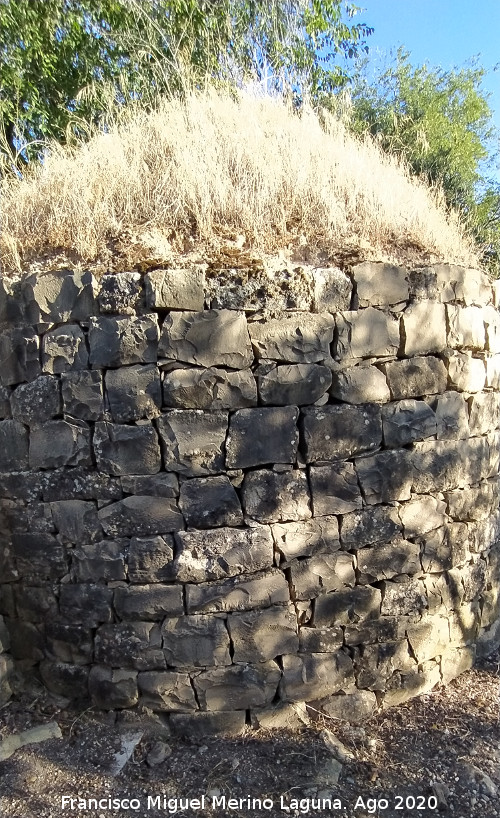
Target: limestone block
(78,484)
(36,402)
(210,502)
(133,392)
(493,372)
(332,290)
(120,293)
(379,662)
(347,606)
(462,284)
(86,604)
(379,284)
(221,723)
(120,340)
(269,496)
(307,537)
(296,384)
(387,561)
(298,338)
(240,686)
(386,477)
(59,296)
(140,516)
(99,562)
(452,417)
(473,502)
(13,446)
(484,414)
(65,680)
(257,636)
(366,333)
(412,684)
(19,355)
(336,432)
(177,289)
(149,602)
(38,556)
(429,637)
(238,593)
(422,514)
(150,559)
(403,598)
(209,389)
(447,464)
(465,327)
(195,641)
(424,328)
(465,373)
(313,676)
(121,449)
(209,338)
(455,661)
(464,626)
(202,556)
(262,435)
(292,716)
(415,377)
(493,461)
(130,644)
(320,640)
(82,395)
(168,691)
(320,574)
(60,443)
(473,577)
(360,384)
(193,441)
(407,421)
(76,521)
(72,644)
(334,489)
(273,287)
(113,689)
(373,525)
(491,318)
(354,708)
(64,350)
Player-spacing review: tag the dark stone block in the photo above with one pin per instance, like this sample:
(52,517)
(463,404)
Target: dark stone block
(121,450)
(337,432)
(117,341)
(133,392)
(13,446)
(36,402)
(262,435)
(209,502)
(334,489)
(86,604)
(82,395)
(270,496)
(140,516)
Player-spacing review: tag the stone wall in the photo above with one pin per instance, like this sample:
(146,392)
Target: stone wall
(226,492)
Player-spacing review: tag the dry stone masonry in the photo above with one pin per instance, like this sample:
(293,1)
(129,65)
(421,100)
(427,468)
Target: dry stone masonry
(224,493)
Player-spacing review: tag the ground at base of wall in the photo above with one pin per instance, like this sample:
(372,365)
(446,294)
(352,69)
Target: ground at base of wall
(442,748)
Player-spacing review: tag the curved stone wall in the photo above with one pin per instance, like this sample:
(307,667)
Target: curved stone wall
(225,492)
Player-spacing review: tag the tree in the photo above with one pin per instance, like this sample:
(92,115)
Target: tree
(62,60)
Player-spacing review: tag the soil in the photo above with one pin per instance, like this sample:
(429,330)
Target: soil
(436,755)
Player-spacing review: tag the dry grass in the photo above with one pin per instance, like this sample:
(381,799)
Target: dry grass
(215,166)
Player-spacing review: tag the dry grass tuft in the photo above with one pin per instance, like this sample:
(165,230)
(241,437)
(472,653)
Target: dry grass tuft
(215,166)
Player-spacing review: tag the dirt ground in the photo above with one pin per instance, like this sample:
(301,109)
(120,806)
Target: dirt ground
(436,755)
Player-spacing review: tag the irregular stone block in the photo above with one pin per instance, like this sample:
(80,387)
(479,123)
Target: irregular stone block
(240,686)
(167,691)
(273,287)
(320,640)
(262,435)
(209,502)
(424,328)
(202,556)
(123,450)
(422,514)
(209,338)
(113,689)
(102,561)
(133,392)
(372,525)
(366,333)
(140,516)
(60,443)
(465,327)
(491,319)
(415,377)
(411,685)
(493,372)
(150,559)
(76,520)
(384,629)
(270,496)
(89,605)
(462,284)
(39,557)
(14,441)
(334,489)
(66,680)
(379,284)
(130,644)
(117,341)
(221,723)
(11,305)
(59,296)
(82,395)
(64,350)
(332,290)
(313,676)
(71,644)
(321,573)
(307,537)
(345,607)
(452,417)
(387,561)
(380,662)
(156,485)
(5,396)
(484,414)
(355,708)
(19,355)
(120,293)
(193,441)
(464,626)
(149,602)
(78,484)
(209,389)
(36,402)
(261,635)
(281,716)
(32,604)
(336,432)
(297,338)
(403,598)
(360,384)
(407,421)
(296,384)
(465,373)
(386,477)
(195,641)
(447,464)
(474,502)
(456,661)
(238,593)
(177,289)
(445,548)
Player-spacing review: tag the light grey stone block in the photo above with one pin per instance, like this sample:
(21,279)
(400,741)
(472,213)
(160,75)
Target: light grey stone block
(258,636)
(380,284)
(193,441)
(140,516)
(59,296)
(407,421)
(366,333)
(296,338)
(320,574)
(178,289)
(465,327)
(36,402)
(334,489)
(150,602)
(210,338)
(261,590)
(195,641)
(306,537)
(269,496)
(452,417)
(465,373)
(209,389)
(202,556)
(360,384)
(387,561)
(424,328)
(82,395)
(296,384)
(415,377)
(332,290)
(64,350)
(313,676)
(240,686)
